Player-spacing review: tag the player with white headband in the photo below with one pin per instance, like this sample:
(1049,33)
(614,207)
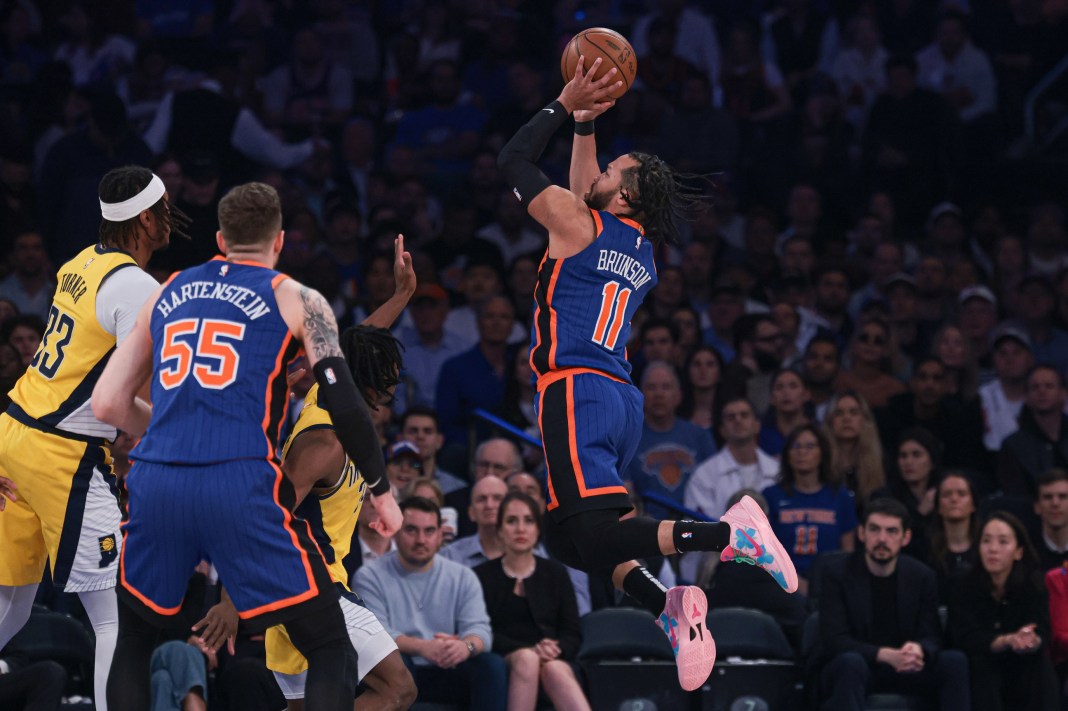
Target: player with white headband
(55,455)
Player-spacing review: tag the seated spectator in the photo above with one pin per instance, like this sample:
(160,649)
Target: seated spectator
(919,456)
(497,457)
(870,373)
(760,346)
(372,544)
(962,373)
(475,378)
(429,489)
(404,465)
(958,70)
(670,447)
(31,282)
(788,410)
(427,346)
(702,374)
(739,465)
(604,596)
(810,510)
(1035,302)
(24,334)
(1051,505)
(1057,584)
(435,610)
(857,458)
(954,529)
(879,622)
(1000,619)
(419,425)
(1002,398)
(518,406)
(533,612)
(958,425)
(1041,442)
(483,545)
(820,366)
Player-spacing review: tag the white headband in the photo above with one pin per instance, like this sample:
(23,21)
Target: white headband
(122,211)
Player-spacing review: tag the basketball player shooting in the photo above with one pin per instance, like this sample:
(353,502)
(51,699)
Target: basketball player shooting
(597,270)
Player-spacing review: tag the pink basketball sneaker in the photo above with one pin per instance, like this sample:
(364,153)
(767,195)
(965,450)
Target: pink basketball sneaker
(753,542)
(683,621)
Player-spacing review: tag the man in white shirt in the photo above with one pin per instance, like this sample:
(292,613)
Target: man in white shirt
(739,465)
(958,70)
(1002,398)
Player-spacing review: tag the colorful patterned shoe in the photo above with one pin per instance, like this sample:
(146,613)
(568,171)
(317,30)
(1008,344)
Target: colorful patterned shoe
(683,621)
(753,542)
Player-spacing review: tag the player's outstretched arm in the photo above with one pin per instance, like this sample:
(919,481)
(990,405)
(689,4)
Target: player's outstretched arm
(560,211)
(114,398)
(584,168)
(311,319)
(405,282)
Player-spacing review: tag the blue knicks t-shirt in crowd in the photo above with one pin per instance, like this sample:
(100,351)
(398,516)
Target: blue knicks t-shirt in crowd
(810,524)
(666,460)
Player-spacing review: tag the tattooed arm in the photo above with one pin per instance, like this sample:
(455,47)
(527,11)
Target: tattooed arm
(310,318)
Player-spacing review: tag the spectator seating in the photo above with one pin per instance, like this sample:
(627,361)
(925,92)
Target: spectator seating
(51,635)
(627,659)
(754,663)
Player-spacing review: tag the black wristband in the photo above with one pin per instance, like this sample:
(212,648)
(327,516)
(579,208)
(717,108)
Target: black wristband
(584,128)
(353,427)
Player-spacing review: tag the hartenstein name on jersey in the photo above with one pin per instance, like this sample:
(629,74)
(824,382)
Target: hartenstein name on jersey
(621,265)
(239,296)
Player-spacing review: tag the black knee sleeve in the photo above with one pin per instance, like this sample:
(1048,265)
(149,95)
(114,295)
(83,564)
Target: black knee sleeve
(128,682)
(597,541)
(322,637)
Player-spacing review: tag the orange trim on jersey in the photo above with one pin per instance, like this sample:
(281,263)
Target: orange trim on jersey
(167,611)
(278,365)
(548,379)
(598,226)
(553,503)
(554,341)
(278,279)
(245,262)
(537,311)
(580,479)
(313,588)
(631,223)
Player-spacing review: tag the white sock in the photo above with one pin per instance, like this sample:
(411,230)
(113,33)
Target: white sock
(15,605)
(102,606)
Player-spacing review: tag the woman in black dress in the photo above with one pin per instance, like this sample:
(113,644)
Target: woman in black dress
(532,611)
(999,617)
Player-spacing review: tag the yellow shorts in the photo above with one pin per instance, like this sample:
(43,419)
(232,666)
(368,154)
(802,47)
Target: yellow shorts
(67,510)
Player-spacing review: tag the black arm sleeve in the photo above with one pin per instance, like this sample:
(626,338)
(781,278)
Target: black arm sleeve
(518,158)
(352,421)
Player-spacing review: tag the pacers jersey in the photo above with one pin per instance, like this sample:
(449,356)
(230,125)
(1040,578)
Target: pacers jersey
(220,354)
(55,389)
(332,515)
(584,303)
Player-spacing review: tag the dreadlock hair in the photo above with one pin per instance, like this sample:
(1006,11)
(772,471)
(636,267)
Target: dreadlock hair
(374,356)
(657,194)
(122,184)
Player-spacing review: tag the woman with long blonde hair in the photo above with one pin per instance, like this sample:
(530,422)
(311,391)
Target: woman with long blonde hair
(856,452)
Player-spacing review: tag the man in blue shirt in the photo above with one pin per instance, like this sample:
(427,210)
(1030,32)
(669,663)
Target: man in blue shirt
(670,448)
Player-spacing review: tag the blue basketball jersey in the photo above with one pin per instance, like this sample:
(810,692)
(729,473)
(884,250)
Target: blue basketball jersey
(584,303)
(220,355)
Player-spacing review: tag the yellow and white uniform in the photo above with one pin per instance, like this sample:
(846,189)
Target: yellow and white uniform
(332,515)
(52,447)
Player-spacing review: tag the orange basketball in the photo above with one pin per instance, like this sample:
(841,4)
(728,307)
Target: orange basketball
(613,49)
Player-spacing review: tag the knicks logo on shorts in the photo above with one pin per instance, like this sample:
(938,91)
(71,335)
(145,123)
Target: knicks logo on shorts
(108,550)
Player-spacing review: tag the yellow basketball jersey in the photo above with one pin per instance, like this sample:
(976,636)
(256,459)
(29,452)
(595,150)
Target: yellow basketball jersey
(332,515)
(55,389)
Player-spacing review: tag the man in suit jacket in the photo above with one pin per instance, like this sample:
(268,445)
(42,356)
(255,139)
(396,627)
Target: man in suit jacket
(879,622)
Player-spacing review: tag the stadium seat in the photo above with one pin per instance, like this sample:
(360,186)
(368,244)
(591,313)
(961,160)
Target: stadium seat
(754,663)
(50,635)
(627,662)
